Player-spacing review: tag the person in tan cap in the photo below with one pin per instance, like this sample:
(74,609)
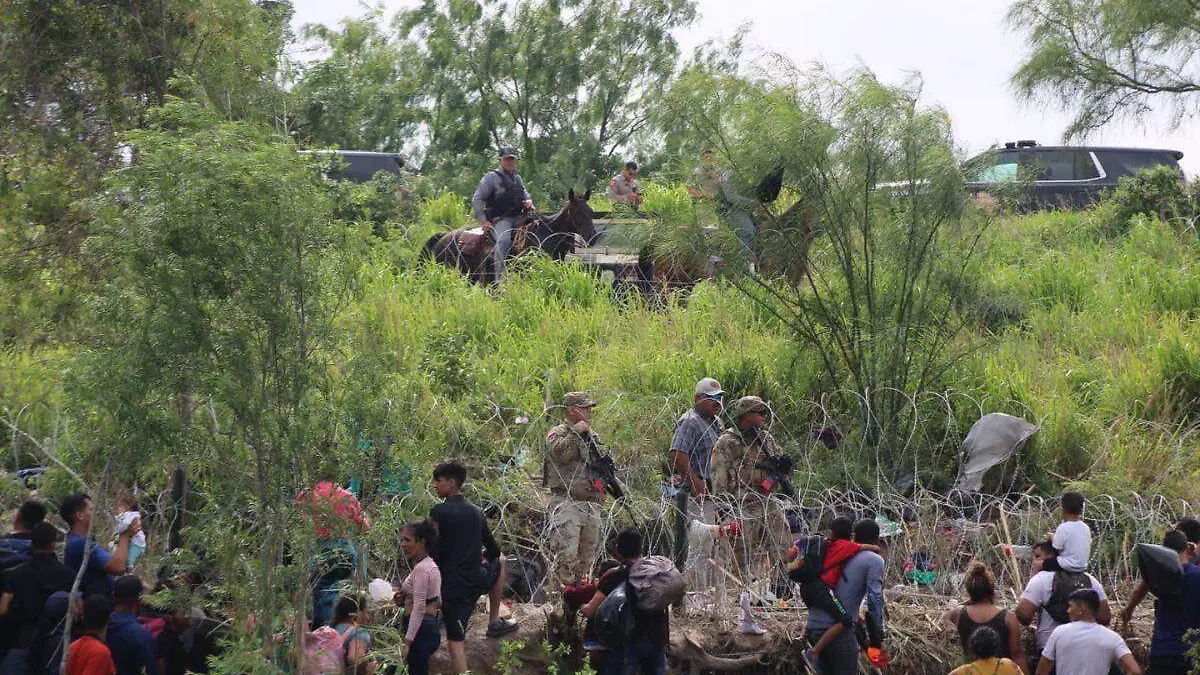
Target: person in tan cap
(576,498)
(741,483)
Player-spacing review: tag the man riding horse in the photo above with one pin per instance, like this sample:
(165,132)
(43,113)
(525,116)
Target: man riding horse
(498,202)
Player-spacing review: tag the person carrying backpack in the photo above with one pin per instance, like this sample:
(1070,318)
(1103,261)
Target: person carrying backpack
(817,568)
(1176,615)
(645,650)
(1045,597)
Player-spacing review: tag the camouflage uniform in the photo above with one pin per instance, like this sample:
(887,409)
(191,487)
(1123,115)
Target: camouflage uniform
(739,486)
(573,516)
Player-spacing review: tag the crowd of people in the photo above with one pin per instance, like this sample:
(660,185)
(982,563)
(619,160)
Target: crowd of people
(728,482)
(108,632)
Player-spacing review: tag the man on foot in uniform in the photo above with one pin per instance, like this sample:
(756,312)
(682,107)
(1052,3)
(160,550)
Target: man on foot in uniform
(576,497)
(498,202)
(743,484)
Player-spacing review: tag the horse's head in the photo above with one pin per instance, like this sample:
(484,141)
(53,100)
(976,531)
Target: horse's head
(579,216)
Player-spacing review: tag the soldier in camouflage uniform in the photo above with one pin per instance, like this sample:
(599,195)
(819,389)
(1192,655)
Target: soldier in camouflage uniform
(575,503)
(745,489)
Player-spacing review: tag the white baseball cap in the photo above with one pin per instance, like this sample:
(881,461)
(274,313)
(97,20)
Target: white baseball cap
(709,387)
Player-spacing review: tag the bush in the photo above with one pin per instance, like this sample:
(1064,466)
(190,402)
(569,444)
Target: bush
(1158,192)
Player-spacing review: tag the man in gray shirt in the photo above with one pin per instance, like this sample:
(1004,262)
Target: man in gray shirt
(498,201)
(862,578)
(696,433)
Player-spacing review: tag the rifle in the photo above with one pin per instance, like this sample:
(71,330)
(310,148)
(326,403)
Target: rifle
(603,471)
(779,470)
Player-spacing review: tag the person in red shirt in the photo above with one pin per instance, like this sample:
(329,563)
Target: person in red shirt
(88,655)
(337,516)
(839,548)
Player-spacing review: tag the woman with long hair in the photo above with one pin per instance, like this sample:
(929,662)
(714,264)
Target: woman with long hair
(421,592)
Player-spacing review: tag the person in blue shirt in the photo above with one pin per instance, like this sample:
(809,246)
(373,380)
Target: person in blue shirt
(133,647)
(1170,643)
(77,511)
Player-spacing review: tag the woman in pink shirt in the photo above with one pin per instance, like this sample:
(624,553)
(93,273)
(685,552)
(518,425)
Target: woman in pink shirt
(421,593)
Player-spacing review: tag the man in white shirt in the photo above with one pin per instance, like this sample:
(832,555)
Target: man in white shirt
(1084,647)
(1040,601)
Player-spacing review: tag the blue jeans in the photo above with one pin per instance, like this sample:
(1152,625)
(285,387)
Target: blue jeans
(742,223)
(841,657)
(639,656)
(426,642)
(14,662)
(502,230)
(336,562)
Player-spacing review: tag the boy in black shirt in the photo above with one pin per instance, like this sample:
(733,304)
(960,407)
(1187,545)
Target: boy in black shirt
(470,562)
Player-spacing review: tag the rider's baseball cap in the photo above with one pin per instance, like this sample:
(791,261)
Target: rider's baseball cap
(507,151)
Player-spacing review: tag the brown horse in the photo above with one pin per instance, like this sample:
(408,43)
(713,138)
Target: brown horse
(783,242)
(469,250)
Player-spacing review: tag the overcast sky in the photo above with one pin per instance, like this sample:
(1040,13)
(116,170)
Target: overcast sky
(962,48)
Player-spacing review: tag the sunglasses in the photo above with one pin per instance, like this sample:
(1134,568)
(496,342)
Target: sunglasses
(714,397)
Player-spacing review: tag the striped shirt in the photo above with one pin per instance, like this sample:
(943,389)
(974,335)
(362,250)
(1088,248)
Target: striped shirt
(422,586)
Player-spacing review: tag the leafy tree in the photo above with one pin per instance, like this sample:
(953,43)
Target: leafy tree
(862,256)
(212,333)
(1107,59)
(568,82)
(73,76)
(362,95)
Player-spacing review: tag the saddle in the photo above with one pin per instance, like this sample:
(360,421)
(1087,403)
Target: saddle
(474,240)
(477,241)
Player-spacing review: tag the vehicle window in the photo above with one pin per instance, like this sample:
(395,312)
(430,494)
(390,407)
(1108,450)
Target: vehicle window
(1049,165)
(1002,170)
(1085,168)
(1129,162)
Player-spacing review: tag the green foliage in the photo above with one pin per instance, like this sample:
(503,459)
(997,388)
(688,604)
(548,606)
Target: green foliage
(509,661)
(1158,192)
(12,490)
(363,94)
(1108,59)
(209,343)
(873,169)
(570,84)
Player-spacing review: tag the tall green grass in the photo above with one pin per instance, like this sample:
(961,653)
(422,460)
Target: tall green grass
(1093,336)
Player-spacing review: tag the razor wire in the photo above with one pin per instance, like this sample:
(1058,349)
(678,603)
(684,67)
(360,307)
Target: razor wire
(930,531)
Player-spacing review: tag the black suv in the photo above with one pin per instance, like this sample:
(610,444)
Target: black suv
(358,166)
(1054,176)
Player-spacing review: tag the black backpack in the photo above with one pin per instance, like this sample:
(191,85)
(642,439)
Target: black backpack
(614,617)
(807,559)
(1064,584)
(1159,567)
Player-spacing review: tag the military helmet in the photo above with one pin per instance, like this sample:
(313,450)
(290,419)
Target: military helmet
(749,404)
(579,399)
